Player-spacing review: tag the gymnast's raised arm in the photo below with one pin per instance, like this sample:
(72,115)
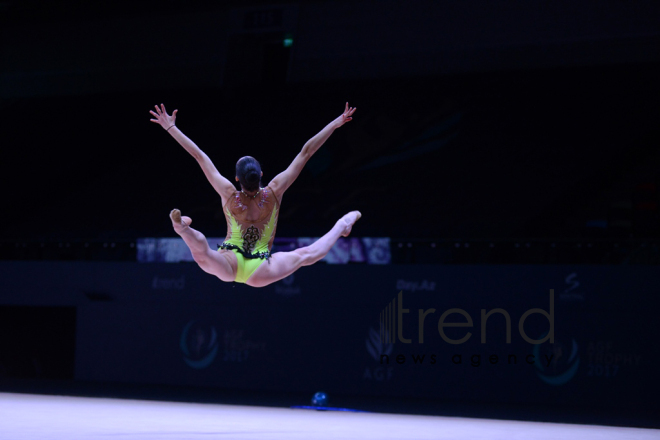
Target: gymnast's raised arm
(283,181)
(221,184)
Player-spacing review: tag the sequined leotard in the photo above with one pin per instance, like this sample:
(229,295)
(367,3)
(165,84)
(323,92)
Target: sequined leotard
(250,240)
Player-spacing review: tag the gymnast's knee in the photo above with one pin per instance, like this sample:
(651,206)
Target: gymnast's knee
(200,258)
(204,261)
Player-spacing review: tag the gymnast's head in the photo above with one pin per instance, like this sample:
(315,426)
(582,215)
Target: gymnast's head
(248,173)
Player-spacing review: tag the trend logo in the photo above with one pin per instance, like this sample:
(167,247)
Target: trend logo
(375,347)
(199,344)
(564,365)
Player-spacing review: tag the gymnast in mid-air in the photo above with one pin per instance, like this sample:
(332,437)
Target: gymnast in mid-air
(251,214)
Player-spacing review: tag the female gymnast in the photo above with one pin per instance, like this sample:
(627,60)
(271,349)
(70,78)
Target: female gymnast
(251,214)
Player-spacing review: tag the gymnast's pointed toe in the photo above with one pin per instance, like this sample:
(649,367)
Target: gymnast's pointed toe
(178,221)
(349,220)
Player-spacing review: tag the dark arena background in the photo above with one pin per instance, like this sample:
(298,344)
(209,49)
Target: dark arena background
(502,282)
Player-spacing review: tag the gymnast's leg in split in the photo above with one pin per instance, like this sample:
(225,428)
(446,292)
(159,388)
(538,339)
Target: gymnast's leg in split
(279,265)
(210,261)
(283,264)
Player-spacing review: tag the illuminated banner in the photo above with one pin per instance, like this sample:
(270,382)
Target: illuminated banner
(347,250)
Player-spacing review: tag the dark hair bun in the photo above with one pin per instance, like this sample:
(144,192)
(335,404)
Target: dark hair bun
(248,171)
(252,176)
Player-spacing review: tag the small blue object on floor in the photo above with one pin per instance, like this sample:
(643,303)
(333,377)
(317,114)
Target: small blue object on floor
(320,399)
(319,402)
(327,408)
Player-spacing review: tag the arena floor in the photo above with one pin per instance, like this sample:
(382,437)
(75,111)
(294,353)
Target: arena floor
(26,416)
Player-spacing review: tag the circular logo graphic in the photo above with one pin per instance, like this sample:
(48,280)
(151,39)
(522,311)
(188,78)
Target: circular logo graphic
(556,363)
(288,280)
(199,344)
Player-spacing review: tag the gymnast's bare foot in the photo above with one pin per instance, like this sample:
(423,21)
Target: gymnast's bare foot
(179,222)
(348,221)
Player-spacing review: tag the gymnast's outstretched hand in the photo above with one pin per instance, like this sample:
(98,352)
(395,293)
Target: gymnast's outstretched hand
(345,117)
(166,121)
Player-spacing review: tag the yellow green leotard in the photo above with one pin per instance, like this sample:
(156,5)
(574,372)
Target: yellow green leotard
(251,224)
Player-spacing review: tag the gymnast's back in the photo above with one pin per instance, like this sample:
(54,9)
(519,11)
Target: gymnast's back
(252,221)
